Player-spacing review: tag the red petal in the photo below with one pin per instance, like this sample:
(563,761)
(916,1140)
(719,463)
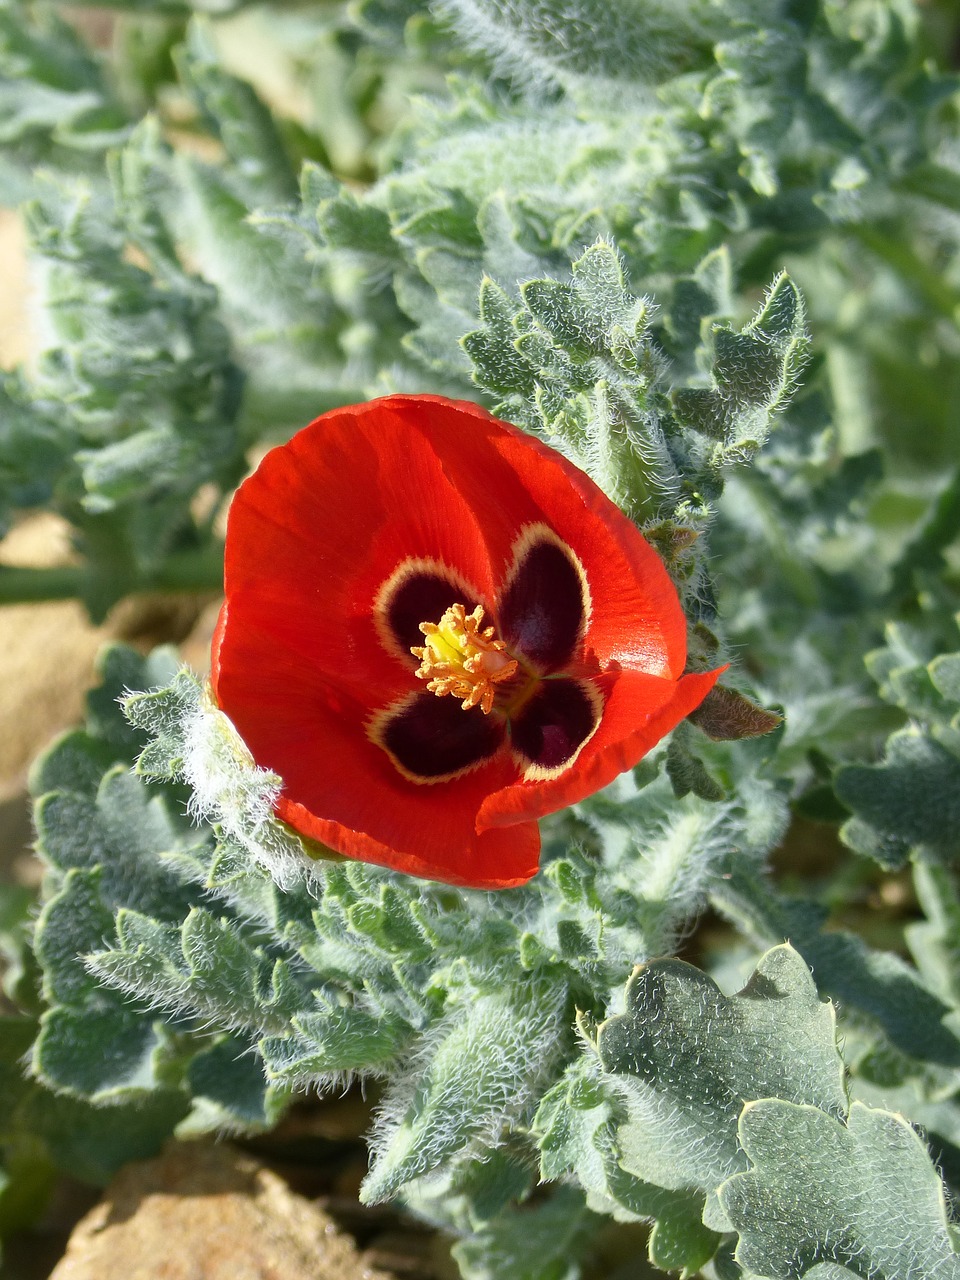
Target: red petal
(639,710)
(510,480)
(319,527)
(501,858)
(342,789)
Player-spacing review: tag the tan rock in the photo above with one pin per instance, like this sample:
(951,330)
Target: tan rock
(15,336)
(207,1212)
(47,654)
(48,650)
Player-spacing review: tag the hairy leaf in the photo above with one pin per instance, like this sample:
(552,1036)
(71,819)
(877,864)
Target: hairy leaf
(863,1195)
(685,1059)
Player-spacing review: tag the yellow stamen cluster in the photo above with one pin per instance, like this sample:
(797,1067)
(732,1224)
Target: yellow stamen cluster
(462,659)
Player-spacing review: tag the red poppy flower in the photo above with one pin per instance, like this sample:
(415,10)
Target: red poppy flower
(436,630)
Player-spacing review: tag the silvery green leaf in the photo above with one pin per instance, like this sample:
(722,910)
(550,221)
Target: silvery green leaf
(244,124)
(546,1240)
(862,1194)
(41,1128)
(230,1077)
(332,1041)
(874,982)
(935,941)
(906,806)
(470,1080)
(685,1058)
(753,374)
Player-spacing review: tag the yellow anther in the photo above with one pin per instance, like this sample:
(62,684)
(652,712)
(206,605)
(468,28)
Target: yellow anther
(463,659)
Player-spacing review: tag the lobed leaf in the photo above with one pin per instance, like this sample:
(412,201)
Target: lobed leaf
(753,373)
(536,1242)
(935,941)
(89,1142)
(335,1040)
(875,982)
(685,1059)
(864,1195)
(244,124)
(907,806)
(229,1077)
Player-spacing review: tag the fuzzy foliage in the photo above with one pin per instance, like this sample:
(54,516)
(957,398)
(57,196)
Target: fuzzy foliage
(907,805)
(583,217)
(239,991)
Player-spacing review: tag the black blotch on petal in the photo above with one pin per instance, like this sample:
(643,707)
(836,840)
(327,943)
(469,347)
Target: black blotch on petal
(420,596)
(542,611)
(554,723)
(432,736)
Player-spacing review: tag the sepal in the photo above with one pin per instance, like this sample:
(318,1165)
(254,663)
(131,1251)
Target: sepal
(727,715)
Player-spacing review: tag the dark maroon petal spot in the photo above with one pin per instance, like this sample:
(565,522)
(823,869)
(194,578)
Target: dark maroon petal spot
(420,595)
(555,723)
(543,611)
(430,737)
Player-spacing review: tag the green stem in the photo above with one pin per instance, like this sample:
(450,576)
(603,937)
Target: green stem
(195,571)
(29,586)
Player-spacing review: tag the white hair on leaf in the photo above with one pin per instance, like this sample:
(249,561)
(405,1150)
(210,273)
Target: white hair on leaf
(234,793)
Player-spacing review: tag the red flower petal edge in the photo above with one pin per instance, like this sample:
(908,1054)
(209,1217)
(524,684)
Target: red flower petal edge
(437,630)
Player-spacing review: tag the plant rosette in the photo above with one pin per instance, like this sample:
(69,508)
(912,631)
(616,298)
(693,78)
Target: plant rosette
(436,631)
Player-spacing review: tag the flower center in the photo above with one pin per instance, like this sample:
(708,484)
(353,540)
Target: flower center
(461,658)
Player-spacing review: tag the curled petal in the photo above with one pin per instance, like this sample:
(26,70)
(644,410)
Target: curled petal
(639,710)
(501,858)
